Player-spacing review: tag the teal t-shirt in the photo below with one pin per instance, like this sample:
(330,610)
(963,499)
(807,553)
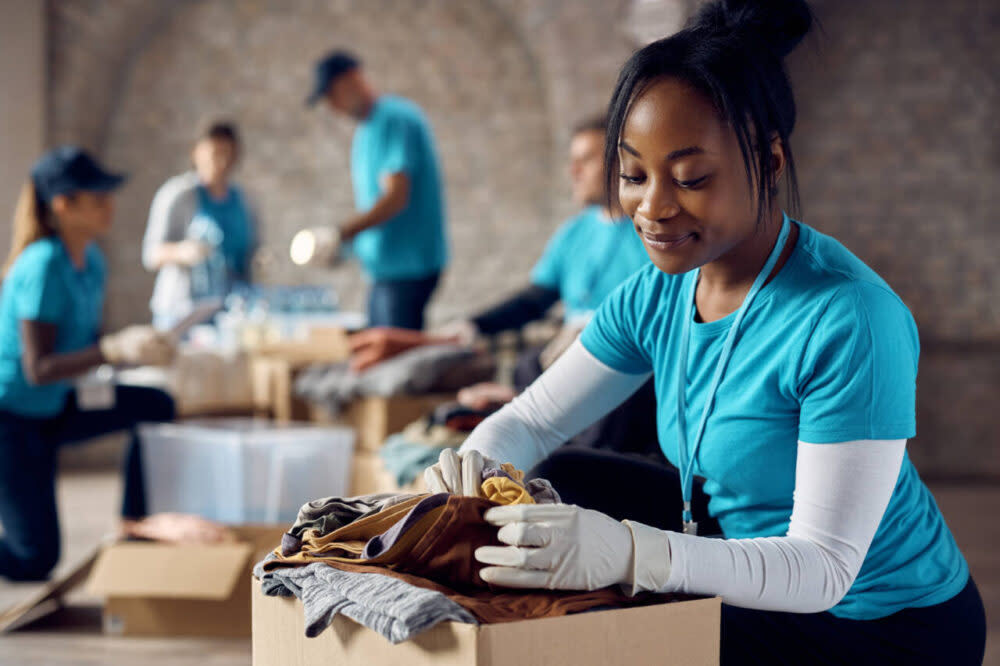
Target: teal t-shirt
(232,218)
(827,353)
(396,138)
(587,258)
(44,285)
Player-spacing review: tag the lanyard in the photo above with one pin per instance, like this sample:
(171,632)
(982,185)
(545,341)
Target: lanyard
(687,465)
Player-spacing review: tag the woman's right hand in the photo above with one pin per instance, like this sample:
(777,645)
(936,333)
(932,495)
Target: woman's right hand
(457,473)
(138,345)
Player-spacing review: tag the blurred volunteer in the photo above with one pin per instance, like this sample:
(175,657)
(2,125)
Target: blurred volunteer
(399,232)
(589,255)
(51,301)
(785,374)
(201,233)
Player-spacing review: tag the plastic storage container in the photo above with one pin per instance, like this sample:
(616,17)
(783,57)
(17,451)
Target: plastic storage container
(243,470)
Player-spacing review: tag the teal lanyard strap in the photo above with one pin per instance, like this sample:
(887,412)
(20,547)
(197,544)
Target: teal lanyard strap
(686,463)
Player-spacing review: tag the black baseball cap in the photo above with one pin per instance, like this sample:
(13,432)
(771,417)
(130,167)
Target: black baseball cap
(331,66)
(69,169)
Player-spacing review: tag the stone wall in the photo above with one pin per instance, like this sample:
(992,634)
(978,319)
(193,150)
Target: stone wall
(896,146)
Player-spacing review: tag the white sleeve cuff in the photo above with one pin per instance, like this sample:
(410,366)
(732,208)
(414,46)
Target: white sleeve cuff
(650,559)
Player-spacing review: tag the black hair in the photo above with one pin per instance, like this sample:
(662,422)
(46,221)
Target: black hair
(221,130)
(732,52)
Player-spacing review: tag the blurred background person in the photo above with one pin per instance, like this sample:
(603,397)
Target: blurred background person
(201,234)
(51,306)
(399,232)
(589,255)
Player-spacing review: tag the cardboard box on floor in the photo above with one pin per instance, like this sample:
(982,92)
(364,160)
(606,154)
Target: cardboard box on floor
(158,589)
(684,634)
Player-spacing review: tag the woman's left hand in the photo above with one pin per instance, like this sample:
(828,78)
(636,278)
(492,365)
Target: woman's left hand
(556,546)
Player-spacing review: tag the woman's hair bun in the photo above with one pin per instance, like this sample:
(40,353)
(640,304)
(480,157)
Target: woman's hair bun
(778,25)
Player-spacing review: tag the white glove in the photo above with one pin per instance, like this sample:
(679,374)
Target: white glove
(138,345)
(457,473)
(463,331)
(557,547)
(318,246)
(191,252)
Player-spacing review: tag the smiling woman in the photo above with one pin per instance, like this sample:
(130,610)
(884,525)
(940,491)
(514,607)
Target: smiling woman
(785,373)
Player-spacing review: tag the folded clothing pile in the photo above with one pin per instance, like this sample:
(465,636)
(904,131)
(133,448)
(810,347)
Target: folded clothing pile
(400,564)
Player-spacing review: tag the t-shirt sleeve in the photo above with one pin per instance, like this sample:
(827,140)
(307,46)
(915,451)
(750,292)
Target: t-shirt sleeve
(548,272)
(399,152)
(41,292)
(613,335)
(858,375)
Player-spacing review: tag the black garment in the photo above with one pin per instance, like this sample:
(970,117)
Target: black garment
(401,303)
(952,633)
(527,305)
(628,428)
(626,487)
(29,547)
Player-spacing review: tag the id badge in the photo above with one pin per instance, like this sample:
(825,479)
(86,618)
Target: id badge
(96,389)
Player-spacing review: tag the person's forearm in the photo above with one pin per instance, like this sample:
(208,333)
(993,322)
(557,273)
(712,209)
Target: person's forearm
(390,204)
(841,494)
(527,305)
(569,396)
(56,367)
(165,254)
(42,364)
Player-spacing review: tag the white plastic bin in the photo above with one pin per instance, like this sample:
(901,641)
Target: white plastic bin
(243,470)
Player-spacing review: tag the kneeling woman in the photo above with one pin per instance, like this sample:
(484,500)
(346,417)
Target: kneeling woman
(785,373)
(51,301)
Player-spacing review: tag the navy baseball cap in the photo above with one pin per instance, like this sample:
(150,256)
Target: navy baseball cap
(331,66)
(69,169)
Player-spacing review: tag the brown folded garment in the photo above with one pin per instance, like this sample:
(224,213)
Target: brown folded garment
(436,553)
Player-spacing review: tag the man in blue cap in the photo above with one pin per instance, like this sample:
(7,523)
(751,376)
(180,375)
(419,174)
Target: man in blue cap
(398,233)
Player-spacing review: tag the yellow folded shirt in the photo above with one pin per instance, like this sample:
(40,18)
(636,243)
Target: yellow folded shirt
(502,490)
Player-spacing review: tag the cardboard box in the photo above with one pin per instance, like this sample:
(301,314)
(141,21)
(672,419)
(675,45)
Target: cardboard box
(273,368)
(369,475)
(684,633)
(375,418)
(157,589)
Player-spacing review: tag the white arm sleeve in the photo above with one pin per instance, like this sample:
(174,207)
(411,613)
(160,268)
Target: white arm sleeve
(573,393)
(841,492)
(174,204)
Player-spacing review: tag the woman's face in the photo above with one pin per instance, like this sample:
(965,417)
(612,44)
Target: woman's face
(683,182)
(213,160)
(85,214)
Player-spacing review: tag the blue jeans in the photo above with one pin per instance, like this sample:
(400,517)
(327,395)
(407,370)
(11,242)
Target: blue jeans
(29,547)
(400,303)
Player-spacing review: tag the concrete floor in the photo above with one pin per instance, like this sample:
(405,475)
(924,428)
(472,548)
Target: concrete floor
(88,505)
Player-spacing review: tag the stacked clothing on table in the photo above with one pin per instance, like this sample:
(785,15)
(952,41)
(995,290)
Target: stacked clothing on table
(405,563)
(426,369)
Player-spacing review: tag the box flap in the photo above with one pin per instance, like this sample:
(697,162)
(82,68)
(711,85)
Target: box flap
(49,597)
(141,569)
(264,538)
